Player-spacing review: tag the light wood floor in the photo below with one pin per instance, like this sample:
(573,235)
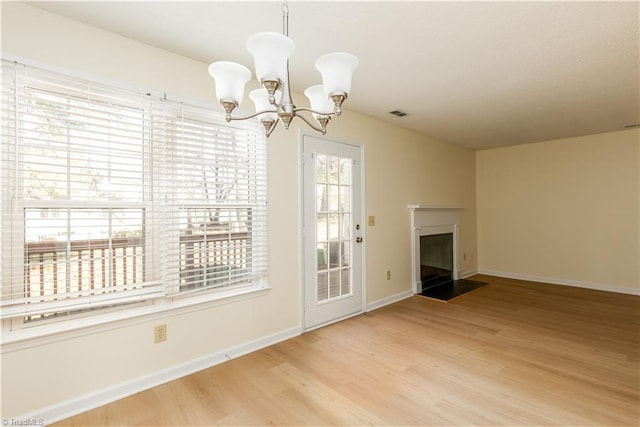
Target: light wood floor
(510,353)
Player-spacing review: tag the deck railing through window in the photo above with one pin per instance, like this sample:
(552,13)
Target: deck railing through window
(95,265)
(53,268)
(213,259)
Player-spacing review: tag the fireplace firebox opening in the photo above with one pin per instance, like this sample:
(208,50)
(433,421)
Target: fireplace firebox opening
(436,260)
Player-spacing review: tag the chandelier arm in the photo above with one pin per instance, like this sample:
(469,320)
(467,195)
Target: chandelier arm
(311,125)
(252,115)
(333,113)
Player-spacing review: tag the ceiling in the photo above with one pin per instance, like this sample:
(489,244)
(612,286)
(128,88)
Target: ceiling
(478,74)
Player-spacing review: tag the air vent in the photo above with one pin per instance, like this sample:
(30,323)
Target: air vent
(398,113)
(636,125)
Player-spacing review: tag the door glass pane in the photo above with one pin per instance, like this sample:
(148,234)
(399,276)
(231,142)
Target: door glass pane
(321,198)
(346,226)
(334,228)
(345,283)
(332,169)
(345,198)
(334,222)
(334,254)
(334,283)
(346,258)
(345,171)
(321,168)
(322,227)
(323,286)
(333,198)
(323,256)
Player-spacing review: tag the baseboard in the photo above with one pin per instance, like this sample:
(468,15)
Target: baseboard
(389,300)
(468,273)
(107,395)
(564,282)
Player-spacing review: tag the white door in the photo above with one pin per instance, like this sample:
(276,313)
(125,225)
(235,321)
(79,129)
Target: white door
(333,231)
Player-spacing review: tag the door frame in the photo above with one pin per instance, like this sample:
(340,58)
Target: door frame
(301,252)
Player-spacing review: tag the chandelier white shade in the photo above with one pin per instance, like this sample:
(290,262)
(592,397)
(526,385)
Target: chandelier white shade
(260,98)
(319,101)
(271,53)
(230,79)
(336,69)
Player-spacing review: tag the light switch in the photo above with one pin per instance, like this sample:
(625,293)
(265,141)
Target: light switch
(372,221)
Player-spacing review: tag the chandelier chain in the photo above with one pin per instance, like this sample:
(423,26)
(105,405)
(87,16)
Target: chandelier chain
(285,18)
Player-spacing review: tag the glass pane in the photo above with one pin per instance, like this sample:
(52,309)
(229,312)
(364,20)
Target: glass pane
(334,283)
(345,285)
(94,150)
(346,254)
(323,256)
(71,250)
(333,202)
(333,198)
(125,223)
(345,171)
(334,230)
(321,235)
(321,198)
(334,254)
(346,227)
(321,168)
(345,198)
(332,167)
(323,290)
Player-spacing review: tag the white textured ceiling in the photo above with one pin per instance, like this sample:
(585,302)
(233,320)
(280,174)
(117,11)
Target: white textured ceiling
(478,74)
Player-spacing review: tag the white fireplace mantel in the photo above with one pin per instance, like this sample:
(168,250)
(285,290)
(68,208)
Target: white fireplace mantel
(431,219)
(430,215)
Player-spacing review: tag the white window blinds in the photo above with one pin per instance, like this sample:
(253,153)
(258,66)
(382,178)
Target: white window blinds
(215,191)
(112,197)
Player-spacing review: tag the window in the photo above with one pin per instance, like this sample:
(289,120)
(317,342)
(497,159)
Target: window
(112,198)
(216,189)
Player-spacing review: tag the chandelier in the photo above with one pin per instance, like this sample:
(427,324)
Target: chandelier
(273,102)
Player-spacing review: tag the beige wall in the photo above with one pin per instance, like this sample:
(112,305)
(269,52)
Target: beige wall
(402,167)
(566,209)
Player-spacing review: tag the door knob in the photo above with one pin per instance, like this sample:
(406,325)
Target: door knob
(358,239)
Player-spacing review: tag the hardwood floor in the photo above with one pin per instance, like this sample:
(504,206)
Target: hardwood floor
(510,353)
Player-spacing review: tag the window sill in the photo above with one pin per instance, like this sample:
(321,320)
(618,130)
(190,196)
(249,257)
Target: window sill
(34,336)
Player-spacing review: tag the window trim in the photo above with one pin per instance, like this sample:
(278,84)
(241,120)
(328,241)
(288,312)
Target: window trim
(64,329)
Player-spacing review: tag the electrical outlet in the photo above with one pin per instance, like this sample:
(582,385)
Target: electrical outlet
(388,274)
(160,333)
(372,221)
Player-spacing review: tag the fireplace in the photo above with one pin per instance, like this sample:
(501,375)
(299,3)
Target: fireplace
(434,249)
(436,259)
(434,245)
